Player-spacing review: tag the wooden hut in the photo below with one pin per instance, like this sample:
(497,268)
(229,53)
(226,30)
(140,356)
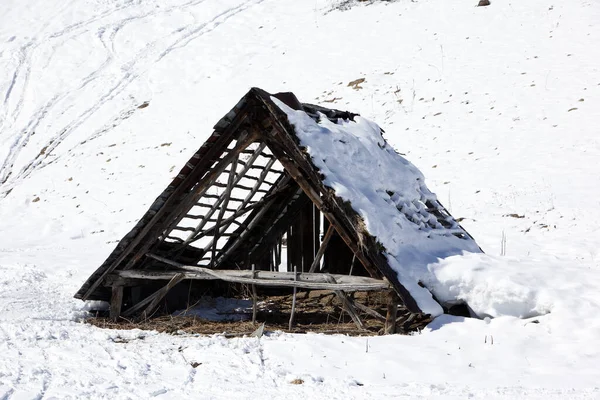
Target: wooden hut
(251,186)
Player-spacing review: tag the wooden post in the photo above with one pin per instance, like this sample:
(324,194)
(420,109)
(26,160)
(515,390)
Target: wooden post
(116,301)
(392,311)
(253,296)
(293,300)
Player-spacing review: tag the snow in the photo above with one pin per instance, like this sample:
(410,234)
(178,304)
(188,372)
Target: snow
(497,106)
(383,188)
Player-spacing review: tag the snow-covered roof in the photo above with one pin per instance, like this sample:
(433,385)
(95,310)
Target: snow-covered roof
(389,194)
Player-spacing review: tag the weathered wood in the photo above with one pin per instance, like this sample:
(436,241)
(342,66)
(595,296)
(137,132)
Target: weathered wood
(322,248)
(369,311)
(221,198)
(263,278)
(290,156)
(249,226)
(224,205)
(232,219)
(254,297)
(187,202)
(158,218)
(246,200)
(392,312)
(160,294)
(348,304)
(293,311)
(116,301)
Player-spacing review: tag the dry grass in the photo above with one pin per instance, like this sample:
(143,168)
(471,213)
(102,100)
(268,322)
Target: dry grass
(316,311)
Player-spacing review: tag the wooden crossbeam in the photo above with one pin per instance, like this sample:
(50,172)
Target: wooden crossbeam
(116,301)
(315,281)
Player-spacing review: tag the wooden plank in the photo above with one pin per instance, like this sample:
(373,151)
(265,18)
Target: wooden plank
(254,297)
(348,304)
(251,225)
(116,301)
(161,293)
(187,202)
(246,200)
(262,278)
(369,311)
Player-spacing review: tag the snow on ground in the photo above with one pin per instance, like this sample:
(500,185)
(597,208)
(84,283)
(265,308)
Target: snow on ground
(498,107)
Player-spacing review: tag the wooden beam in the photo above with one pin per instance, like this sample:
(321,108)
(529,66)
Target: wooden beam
(347,303)
(322,248)
(262,278)
(116,302)
(157,219)
(251,225)
(255,188)
(224,205)
(205,182)
(160,294)
(246,200)
(369,311)
(186,203)
(293,311)
(221,198)
(254,297)
(232,218)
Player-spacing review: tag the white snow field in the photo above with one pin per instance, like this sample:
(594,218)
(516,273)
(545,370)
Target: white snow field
(498,107)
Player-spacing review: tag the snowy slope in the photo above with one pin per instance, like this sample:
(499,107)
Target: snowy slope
(498,106)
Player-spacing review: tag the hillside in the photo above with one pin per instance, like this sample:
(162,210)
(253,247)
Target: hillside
(102,101)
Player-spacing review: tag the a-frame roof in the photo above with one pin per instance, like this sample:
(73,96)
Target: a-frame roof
(278,153)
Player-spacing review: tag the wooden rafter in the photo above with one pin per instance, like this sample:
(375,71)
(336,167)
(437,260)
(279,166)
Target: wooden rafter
(159,218)
(315,281)
(217,203)
(251,224)
(246,200)
(226,195)
(193,196)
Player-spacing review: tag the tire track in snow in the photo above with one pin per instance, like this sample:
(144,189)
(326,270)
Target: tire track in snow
(135,68)
(24,61)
